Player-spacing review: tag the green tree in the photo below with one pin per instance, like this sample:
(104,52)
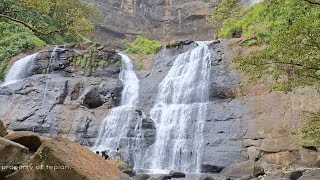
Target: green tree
(290,30)
(45,17)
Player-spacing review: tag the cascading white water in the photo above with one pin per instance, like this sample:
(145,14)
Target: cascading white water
(180,111)
(19,70)
(114,128)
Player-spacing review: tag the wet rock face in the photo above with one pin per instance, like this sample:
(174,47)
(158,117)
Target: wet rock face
(165,20)
(47,105)
(71,60)
(64,101)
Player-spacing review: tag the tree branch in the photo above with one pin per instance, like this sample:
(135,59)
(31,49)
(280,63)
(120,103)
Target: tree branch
(312,2)
(28,26)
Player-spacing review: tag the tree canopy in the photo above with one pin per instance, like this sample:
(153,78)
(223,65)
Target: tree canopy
(45,17)
(26,24)
(290,30)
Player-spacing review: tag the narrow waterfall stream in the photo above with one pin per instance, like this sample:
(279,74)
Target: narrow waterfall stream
(114,128)
(19,70)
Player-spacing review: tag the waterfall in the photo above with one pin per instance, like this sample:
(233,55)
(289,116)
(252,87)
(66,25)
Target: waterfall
(115,127)
(19,70)
(180,111)
(52,57)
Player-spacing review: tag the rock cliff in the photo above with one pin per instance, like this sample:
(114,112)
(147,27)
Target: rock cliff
(164,20)
(63,101)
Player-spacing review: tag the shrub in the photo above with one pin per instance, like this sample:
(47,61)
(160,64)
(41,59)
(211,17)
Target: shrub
(15,40)
(142,45)
(309,133)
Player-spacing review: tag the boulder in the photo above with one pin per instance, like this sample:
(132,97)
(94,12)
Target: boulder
(253,153)
(309,157)
(141,177)
(277,174)
(247,168)
(206,177)
(176,174)
(12,154)
(282,158)
(123,167)
(3,130)
(62,159)
(312,174)
(25,138)
(207,168)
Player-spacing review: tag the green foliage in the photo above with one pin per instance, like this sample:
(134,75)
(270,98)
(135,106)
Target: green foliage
(309,133)
(102,63)
(27,24)
(47,17)
(291,31)
(226,10)
(249,43)
(88,72)
(118,63)
(142,45)
(88,61)
(15,39)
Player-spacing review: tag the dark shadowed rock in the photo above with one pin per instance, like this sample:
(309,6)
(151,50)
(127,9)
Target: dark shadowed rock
(176,174)
(294,175)
(27,139)
(92,98)
(207,168)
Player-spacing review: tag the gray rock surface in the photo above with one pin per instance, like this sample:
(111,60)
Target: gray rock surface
(63,102)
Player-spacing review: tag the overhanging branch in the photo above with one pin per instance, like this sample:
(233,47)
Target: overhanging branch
(312,2)
(28,26)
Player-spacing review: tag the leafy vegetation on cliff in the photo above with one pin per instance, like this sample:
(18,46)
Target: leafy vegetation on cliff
(142,45)
(26,24)
(310,131)
(291,31)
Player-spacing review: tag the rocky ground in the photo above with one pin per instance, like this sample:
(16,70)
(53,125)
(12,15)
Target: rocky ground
(25,155)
